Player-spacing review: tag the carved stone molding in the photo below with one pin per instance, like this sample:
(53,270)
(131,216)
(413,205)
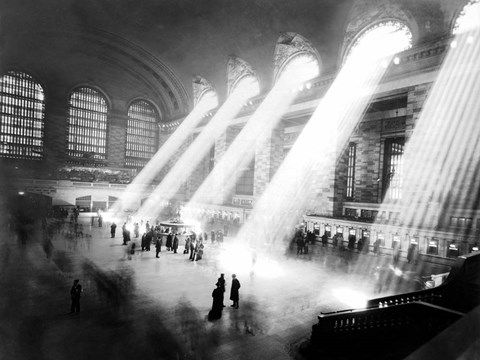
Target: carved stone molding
(367,13)
(288,45)
(236,69)
(200,87)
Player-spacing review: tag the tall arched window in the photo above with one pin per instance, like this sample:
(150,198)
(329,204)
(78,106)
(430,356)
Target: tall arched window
(87,124)
(142,133)
(22,117)
(468,19)
(300,68)
(381,39)
(247,86)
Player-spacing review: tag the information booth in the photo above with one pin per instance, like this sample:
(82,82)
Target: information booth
(179,228)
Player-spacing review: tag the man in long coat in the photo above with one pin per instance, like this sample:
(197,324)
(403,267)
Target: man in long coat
(234,291)
(175,244)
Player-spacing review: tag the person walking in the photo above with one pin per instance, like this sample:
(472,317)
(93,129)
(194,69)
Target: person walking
(113,229)
(234,296)
(75,294)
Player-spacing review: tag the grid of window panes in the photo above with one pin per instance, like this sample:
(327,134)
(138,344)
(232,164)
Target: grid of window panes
(245,181)
(22,117)
(142,134)
(394,167)
(352,152)
(87,124)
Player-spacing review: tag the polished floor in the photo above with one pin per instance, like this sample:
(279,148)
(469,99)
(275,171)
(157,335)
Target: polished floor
(149,308)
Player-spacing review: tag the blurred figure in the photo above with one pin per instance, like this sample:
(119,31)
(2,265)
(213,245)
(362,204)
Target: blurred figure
(234,296)
(75,294)
(169,241)
(300,244)
(158,247)
(324,239)
(217,305)
(113,229)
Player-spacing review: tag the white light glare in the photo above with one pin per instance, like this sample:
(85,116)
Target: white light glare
(247,87)
(300,69)
(352,298)
(208,101)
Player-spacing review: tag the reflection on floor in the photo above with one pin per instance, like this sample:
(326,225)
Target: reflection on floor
(153,308)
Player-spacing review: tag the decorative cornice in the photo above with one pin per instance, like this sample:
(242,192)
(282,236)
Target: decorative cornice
(237,69)
(288,45)
(200,87)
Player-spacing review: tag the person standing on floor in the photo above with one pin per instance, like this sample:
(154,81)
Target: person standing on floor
(175,244)
(169,241)
(234,291)
(75,294)
(221,283)
(217,305)
(113,229)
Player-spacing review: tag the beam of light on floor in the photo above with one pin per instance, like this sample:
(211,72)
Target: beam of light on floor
(287,196)
(442,157)
(196,152)
(242,151)
(130,196)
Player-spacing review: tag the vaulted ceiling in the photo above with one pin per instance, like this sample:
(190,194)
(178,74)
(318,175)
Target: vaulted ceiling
(127,41)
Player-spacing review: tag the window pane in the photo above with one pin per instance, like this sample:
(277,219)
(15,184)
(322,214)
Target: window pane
(351,170)
(87,124)
(142,134)
(22,115)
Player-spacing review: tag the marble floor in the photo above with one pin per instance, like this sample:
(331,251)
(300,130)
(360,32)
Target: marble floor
(149,308)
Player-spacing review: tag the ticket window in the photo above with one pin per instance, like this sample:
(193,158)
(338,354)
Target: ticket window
(381,238)
(365,240)
(328,230)
(352,238)
(432,247)
(366,236)
(453,250)
(339,231)
(316,229)
(396,242)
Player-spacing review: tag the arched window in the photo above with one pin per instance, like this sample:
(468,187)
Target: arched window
(87,124)
(300,68)
(142,133)
(247,86)
(382,39)
(208,100)
(22,117)
(468,18)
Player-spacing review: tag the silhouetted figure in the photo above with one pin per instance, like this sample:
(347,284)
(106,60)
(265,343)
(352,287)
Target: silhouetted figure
(175,244)
(75,294)
(300,244)
(113,229)
(234,291)
(100,221)
(169,241)
(324,240)
(221,283)
(217,305)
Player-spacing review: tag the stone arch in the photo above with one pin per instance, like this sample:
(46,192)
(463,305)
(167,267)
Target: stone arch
(461,12)
(237,69)
(288,46)
(200,87)
(366,14)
